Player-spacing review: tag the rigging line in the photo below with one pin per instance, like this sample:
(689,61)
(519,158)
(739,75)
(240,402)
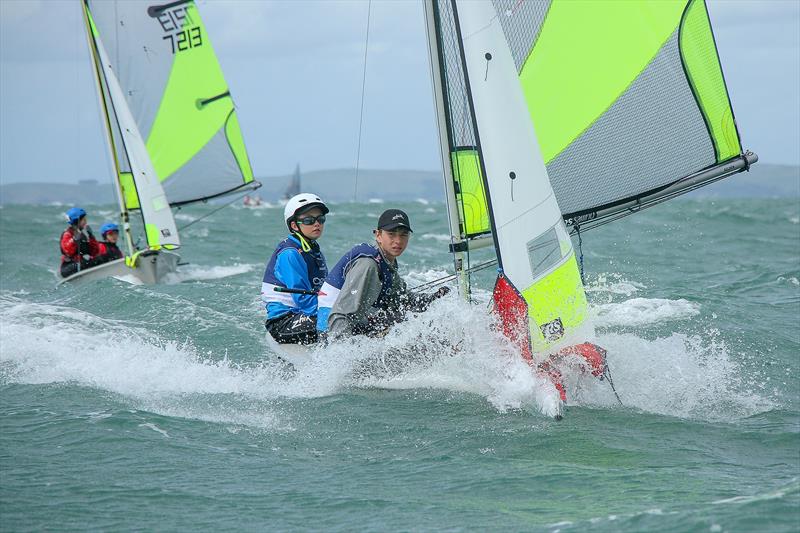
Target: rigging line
(361,114)
(580,250)
(223,206)
(607,375)
(451,277)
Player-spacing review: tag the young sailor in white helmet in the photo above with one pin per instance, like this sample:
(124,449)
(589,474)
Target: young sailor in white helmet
(295,273)
(364,294)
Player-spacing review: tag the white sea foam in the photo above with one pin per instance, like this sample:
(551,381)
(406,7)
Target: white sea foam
(613,284)
(460,354)
(452,347)
(438,237)
(202,273)
(197,231)
(163,377)
(418,277)
(644,311)
(687,376)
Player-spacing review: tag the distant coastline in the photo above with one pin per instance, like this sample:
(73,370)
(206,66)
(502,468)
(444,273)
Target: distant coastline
(340,185)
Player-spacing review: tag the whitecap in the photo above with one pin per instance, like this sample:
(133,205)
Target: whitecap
(644,311)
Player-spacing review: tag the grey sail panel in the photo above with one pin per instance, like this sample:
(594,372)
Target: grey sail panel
(622,154)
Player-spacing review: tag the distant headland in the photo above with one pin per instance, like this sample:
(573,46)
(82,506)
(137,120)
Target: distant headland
(341,185)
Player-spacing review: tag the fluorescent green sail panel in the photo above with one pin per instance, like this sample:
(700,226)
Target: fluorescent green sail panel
(471,195)
(557,296)
(128,190)
(705,75)
(236,142)
(587,54)
(195,104)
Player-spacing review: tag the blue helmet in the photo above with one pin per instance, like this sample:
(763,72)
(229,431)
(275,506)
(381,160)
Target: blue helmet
(75,214)
(108,226)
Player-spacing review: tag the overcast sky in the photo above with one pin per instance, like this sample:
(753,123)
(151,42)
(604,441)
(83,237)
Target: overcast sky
(294,69)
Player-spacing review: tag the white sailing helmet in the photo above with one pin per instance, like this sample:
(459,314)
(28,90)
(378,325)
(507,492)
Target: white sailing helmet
(303,201)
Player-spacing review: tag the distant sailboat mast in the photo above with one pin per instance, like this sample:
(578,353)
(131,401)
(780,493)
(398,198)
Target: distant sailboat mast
(294,185)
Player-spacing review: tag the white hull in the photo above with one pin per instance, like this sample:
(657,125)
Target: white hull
(151,268)
(295,354)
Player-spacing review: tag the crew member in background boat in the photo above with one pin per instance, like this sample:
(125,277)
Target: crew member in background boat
(79,248)
(297,264)
(109,251)
(364,293)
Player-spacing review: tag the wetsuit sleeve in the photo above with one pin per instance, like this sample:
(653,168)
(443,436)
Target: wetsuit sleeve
(362,286)
(293,272)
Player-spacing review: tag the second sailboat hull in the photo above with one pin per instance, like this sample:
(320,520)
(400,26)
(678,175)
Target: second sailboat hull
(151,267)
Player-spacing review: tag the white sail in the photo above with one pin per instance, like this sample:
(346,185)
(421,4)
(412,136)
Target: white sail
(523,205)
(494,160)
(158,220)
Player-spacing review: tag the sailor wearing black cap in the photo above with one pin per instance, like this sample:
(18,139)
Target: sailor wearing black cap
(363,293)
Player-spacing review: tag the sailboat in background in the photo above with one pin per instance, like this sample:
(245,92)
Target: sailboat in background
(294,186)
(557,116)
(172,130)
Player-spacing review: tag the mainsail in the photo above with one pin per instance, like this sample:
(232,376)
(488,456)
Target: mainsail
(174,87)
(573,110)
(628,100)
(498,181)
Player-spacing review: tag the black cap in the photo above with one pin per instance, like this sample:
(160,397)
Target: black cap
(393,219)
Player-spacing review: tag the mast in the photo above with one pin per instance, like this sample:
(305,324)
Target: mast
(123,210)
(456,241)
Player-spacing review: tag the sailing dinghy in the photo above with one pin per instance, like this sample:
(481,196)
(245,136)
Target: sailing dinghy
(556,116)
(172,130)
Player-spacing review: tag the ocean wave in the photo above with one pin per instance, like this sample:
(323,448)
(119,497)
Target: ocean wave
(614,284)
(644,311)
(438,237)
(204,273)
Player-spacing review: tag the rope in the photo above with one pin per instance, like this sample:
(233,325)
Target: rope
(223,206)
(607,375)
(361,115)
(580,250)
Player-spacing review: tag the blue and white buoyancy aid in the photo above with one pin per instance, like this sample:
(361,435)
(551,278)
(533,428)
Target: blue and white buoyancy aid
(335,281)
(296,265)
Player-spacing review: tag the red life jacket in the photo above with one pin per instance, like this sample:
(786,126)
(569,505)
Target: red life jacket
(110,251)
(73,251)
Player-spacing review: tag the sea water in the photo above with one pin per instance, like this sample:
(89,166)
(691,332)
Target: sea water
(161,407)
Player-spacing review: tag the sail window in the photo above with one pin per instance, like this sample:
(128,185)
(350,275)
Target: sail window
(548,250)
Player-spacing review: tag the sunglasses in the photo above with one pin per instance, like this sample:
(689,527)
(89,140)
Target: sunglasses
(308,221)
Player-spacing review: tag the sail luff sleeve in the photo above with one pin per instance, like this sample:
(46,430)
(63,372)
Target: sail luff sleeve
(534,250)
